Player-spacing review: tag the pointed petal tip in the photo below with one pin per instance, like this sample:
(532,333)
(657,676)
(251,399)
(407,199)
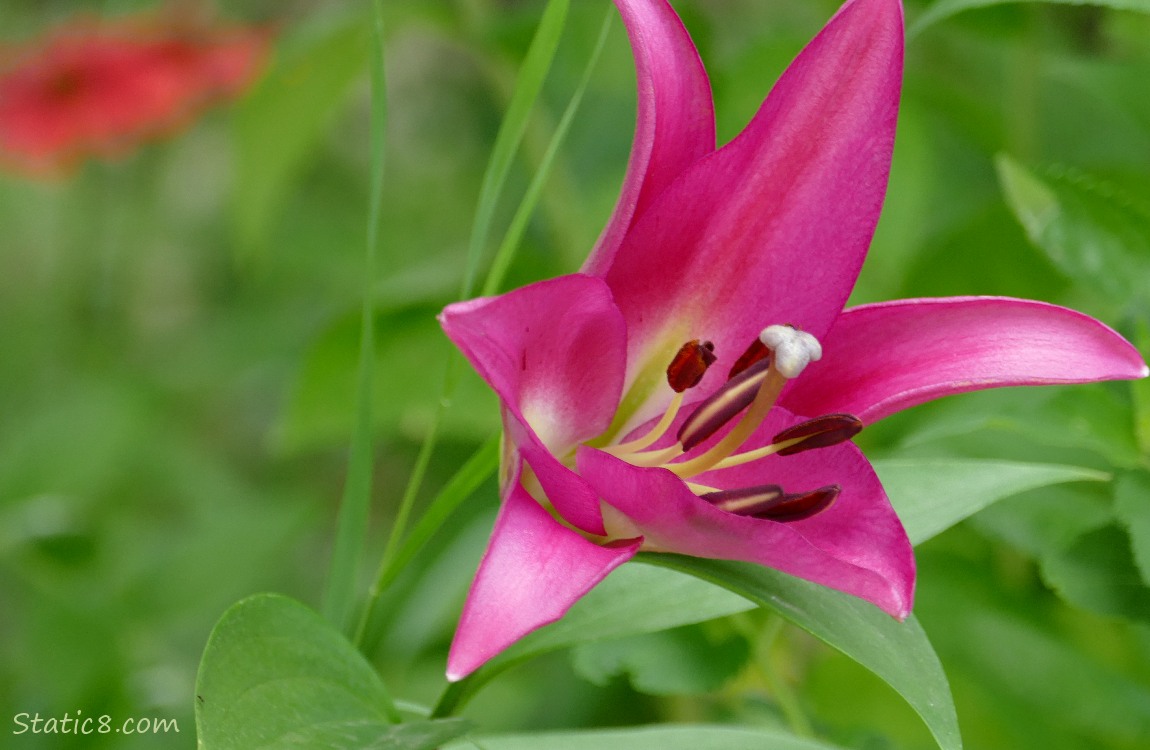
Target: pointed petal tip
(533,571)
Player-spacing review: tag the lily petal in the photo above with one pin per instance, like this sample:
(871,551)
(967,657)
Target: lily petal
(882,358)
(773,227)
(533,571)
(675,120)
(858,545)
(554,352)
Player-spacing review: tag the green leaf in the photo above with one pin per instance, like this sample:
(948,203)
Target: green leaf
(682,661)
(1047,522)
(931,495)
(690,737)
(276,675)
(279,125)
(631,600)
(1092,231)
(1097,572)
(944,9)
(1132,506)
(897,652)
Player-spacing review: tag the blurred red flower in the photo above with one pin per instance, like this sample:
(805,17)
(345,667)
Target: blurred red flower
(97,87)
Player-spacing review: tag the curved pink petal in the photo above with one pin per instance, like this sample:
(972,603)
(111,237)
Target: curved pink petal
(858,545)
(773,227)
(675,121)
(554,352)
(881,358)
(533,571)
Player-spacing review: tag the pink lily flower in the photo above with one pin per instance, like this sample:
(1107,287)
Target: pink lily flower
(620,436)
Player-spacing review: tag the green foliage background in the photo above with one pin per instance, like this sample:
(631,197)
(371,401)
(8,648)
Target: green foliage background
(179,336)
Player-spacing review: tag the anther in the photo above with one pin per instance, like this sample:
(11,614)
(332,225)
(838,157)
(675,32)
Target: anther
(755,352)
(800,505)
(689,364)
(794,349)
(746,501)
(829,429)
(718,408)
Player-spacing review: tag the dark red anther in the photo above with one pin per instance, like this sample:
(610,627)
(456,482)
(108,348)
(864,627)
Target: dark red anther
(829,429)
(800,505)
(756,352)
(718,408)
(745,501)
(689,364)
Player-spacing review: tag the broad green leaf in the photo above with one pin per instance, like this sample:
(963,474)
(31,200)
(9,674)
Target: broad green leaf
(688,737)
(681,661)
(280,123)
(897,652)
(1058,681)
(943,9)
(1047,522)
(931,495)
(1097,573)
(631,600)
(277,675)
(1092,231)
(1132,506)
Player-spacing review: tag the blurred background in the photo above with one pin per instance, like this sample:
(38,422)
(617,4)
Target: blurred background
(179,332)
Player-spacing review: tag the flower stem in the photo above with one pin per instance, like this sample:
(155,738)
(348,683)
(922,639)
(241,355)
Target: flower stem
(762,642)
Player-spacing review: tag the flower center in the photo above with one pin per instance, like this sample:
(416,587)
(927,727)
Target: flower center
(779,354)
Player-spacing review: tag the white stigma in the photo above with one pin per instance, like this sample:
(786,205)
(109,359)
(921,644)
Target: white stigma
(794,349)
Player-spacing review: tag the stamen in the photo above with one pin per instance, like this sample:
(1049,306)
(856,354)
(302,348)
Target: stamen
(794,349)
(801,505)
(656,432)
(747,501)
(718,408)
(768,392)
(690,364)
(829,429)
(799,438)
(687,368)
(755,352)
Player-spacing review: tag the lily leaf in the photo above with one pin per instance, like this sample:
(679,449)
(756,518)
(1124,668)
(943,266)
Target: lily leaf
(1097,572)
(681,661)
(931,495)
(1093,232)
(694,737)
(897,652)
(944,9)
(1130,493)
(276,675)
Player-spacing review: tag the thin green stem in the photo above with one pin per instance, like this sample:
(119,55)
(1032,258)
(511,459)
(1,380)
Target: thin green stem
(535,68)
(762,640)
(536,65)
(514,235)
(355,505)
